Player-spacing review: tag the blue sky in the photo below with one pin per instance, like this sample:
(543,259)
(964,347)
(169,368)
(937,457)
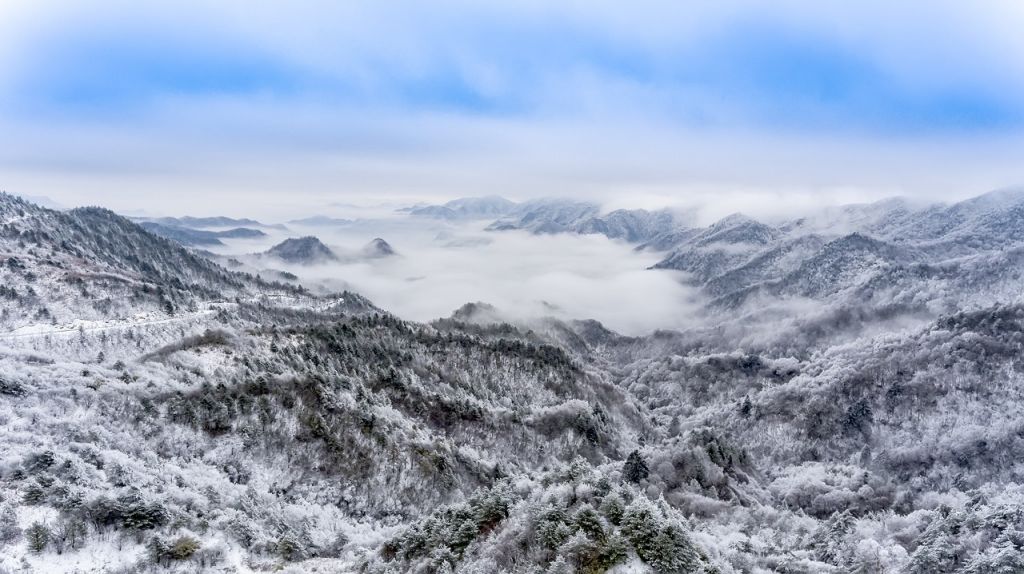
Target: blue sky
(113,102)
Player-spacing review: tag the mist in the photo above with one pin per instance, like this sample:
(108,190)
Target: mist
(440,267)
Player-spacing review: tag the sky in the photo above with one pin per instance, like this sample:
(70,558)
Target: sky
(259,108)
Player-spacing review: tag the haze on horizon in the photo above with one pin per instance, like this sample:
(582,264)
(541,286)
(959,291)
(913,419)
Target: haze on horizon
(257,109)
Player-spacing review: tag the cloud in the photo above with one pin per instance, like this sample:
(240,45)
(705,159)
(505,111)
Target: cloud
(441,267)
(323,100)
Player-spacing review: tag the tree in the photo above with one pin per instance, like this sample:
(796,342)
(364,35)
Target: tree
(640,524)
(68,534)
(635,468)
(588,521)
(830,541)
(746,407)
(859,418)
(34,494)
(38,536)
(672,551)
(663,544)
(9,530)
(612,507)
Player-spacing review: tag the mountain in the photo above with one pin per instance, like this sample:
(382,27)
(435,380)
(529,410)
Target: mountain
(486,207)
(721,247)
(874,219)
(855,408)
(378,248)
(183,235)
(207,222)
(468,208)
(737,229)
(546,216)
(306,250)
(435,212)
(846,262)
(199,237)
(988,222)
(555,216)
(634,226)
(321,221)
(768,265)
(91,264)
(241,233)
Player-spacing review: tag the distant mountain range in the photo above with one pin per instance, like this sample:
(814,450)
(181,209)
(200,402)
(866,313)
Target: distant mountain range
(321,221)
(200,237)
(488,207)
(207,222)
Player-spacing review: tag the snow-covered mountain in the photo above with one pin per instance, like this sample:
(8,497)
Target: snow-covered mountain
(91,264)
(217,222)
(567,216)
(200,237)
(306,250)
(466,208)
(377,248)
(847,399)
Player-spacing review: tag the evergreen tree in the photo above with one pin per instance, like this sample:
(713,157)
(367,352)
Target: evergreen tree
(612,507)
(830,540)
(38,536)
(635,468)
(640,525)
(664,545)
(589,522)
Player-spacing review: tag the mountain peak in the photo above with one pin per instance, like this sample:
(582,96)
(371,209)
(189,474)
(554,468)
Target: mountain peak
(377,247)
(304,250)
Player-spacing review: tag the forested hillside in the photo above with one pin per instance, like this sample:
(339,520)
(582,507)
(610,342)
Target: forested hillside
(849,401)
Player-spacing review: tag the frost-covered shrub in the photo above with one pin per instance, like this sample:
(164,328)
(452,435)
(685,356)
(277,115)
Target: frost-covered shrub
(184,548)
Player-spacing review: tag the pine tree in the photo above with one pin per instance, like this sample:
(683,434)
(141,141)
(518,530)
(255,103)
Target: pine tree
(662,544)
(640,525)
(589,522)
(673,551)
(612,507)
(38,536)
(830,541)
(635,468)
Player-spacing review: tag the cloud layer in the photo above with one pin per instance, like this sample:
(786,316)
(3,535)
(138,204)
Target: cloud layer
(140,106)
(440,267)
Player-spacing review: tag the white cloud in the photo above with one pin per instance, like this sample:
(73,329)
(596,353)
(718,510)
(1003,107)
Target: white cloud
(523,275)
(587,131)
